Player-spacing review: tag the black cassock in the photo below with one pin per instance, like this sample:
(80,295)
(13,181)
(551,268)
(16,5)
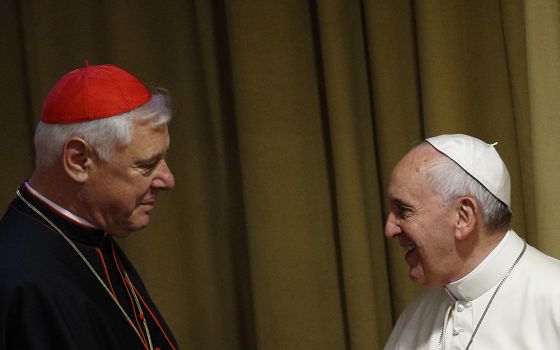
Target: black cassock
(50,299)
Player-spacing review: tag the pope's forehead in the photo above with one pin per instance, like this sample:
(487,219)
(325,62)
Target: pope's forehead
(408,181)
(417,160)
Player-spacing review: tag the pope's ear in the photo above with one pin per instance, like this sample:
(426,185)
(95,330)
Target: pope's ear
(77,159)
(468,211)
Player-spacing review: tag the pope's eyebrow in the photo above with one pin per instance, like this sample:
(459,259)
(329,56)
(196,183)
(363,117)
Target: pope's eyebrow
(403,203)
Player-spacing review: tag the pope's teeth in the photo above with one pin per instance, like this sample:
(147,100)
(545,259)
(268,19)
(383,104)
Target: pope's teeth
(409,248)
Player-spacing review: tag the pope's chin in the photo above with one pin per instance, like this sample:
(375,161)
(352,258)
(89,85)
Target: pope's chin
(416,275)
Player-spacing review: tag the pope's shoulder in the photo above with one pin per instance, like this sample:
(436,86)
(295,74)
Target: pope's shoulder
(540,269)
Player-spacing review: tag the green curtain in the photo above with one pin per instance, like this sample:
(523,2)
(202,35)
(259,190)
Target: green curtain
(288,118)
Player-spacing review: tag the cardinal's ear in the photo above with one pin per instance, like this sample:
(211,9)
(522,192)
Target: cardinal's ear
(77,158)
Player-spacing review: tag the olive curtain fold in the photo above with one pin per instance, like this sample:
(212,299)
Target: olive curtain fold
(288,118)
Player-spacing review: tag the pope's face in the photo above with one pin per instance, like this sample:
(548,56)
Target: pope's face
(122,192)
(420,221)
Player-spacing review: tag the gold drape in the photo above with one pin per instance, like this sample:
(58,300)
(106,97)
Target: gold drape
(288,117)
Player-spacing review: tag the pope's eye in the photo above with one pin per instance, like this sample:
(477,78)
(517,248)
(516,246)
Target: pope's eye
(405,211)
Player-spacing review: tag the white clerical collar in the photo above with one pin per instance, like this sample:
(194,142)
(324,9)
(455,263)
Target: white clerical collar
(490,271)
(60,210)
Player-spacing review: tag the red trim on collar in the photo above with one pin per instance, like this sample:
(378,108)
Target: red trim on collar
(30,191)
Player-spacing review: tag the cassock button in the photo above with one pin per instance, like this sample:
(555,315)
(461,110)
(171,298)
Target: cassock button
(456,331)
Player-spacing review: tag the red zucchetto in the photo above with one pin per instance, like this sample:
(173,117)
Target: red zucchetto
(93,92)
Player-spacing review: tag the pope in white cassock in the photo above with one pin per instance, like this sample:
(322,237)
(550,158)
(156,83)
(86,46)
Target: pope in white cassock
(450,211)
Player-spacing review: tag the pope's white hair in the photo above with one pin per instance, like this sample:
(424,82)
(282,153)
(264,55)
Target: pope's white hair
(451,181)
(104,135)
